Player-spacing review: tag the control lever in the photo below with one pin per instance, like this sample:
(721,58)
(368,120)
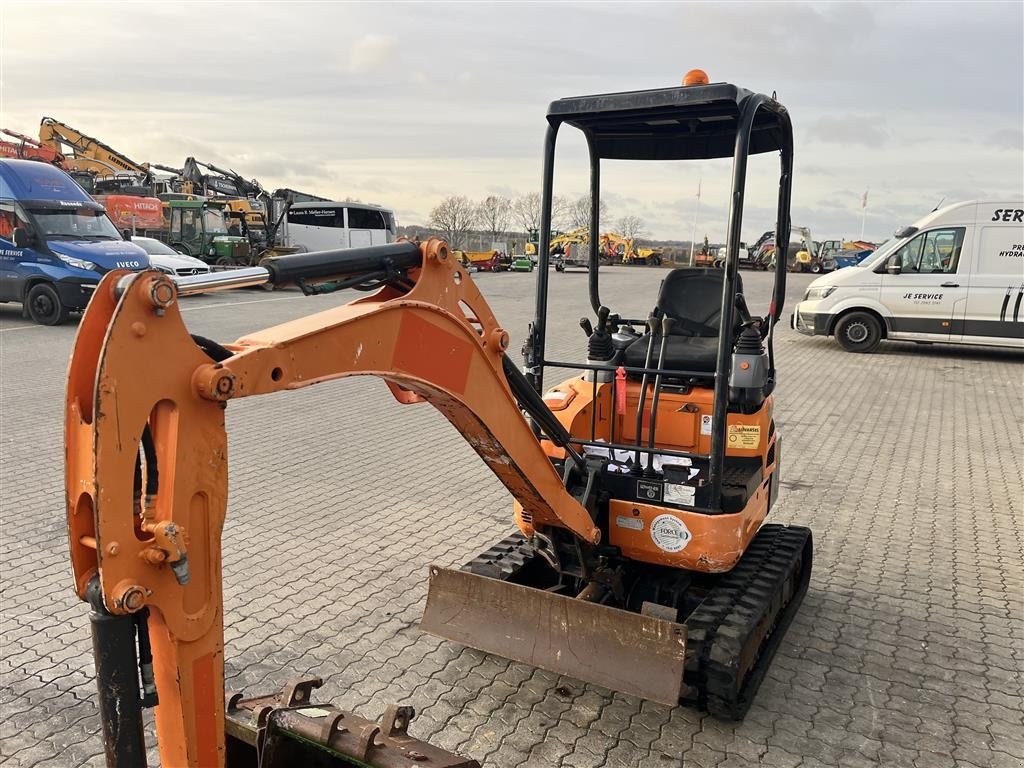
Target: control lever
(600,348)
(666,328)
(636,468)
(587,327)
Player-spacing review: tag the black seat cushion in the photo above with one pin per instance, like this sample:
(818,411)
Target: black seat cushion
(693,298)
(682,353)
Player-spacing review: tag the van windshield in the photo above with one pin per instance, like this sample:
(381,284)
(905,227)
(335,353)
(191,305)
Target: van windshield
(882,252)
(84,223)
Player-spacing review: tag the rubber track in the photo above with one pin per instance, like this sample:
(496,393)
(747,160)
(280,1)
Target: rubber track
(745,616)
(503,560)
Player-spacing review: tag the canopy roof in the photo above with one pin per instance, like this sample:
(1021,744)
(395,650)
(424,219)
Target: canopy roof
(696,122)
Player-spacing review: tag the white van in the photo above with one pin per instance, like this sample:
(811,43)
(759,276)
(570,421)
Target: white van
(324,226)
(956,276)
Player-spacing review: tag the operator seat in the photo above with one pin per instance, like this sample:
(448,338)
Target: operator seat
(693,298)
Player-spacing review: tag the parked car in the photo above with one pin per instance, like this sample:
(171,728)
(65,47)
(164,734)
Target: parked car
(56,242)
(723,251)
(170,261)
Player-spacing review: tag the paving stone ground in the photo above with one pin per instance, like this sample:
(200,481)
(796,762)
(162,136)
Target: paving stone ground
(907,465)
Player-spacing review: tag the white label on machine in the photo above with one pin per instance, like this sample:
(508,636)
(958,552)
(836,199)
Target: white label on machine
(312,712)
(705,424)
(635,523)
(670,533)
(677,493)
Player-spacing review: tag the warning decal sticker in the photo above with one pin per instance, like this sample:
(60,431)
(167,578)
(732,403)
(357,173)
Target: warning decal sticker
(744,436)
(677,493)
(670,533)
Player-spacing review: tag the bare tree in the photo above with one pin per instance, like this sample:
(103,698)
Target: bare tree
(560,206)
(493,215)
(526,211)
(577,213)
(454,217)
(631,227)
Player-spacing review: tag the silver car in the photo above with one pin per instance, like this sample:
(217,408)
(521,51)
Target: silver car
(168,260)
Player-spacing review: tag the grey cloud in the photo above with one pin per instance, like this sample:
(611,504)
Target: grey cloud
(372,52)
(867,130)
(457,104)
(1007,139)
(816,170)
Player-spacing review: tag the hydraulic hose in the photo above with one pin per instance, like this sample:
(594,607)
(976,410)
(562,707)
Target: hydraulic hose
(531,402)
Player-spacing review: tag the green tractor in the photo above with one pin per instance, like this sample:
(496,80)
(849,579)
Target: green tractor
(198,228)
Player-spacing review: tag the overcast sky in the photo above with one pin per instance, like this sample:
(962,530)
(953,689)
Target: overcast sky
(403,104)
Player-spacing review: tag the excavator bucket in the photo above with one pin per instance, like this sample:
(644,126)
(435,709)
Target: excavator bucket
(287,729)
(629,652)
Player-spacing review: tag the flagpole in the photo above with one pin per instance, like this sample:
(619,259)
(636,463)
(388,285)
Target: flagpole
(863,213)
(693,236)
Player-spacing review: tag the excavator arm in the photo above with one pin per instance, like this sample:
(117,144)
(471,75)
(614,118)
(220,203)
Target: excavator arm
(147,448)
(88,154)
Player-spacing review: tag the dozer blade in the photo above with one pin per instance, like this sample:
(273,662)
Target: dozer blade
(638,655)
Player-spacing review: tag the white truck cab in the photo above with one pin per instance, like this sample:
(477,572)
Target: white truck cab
(956,276)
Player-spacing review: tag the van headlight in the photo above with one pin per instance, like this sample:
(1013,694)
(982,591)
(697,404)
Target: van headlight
(71,261)
(819,293)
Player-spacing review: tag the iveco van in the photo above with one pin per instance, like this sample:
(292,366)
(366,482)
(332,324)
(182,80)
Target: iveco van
(956,276)
(55,242)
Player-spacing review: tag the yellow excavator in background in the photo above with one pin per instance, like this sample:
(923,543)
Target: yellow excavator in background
(619,249)
(641,483)
(612,248)
(111,171)
(568,247)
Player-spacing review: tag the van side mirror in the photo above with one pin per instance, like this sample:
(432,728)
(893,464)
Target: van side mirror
(21,237)
(126,234)
(893,268)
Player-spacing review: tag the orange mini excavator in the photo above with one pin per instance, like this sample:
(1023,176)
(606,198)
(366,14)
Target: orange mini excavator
(640,484)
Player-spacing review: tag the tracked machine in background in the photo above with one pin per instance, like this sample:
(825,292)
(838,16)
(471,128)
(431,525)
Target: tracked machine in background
(641,484)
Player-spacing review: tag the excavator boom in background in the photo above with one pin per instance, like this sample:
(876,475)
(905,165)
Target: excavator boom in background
(27,148)
(640,483)
(86,154)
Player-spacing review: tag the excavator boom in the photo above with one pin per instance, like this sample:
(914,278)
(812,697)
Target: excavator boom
(88,153)
(146,507)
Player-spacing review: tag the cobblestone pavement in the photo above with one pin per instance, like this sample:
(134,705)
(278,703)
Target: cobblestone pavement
(907,464)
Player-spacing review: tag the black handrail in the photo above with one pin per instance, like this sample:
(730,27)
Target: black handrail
(535,369)
(744,127)
(593,283)
(629,369)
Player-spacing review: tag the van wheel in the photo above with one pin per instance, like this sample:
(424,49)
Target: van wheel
(816,268)
(44,305)
(858,332)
